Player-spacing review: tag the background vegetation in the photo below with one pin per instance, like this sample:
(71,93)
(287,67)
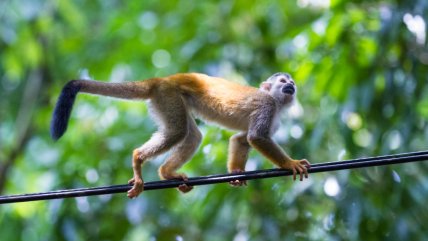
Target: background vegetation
(361,68)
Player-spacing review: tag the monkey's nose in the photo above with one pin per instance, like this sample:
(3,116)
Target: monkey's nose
(288,89)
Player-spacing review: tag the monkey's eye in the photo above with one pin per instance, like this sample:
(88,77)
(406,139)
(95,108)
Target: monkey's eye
(292,82)
(282,80)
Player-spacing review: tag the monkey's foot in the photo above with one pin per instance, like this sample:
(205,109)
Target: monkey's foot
(184,188)
(300,166)
(238,183)
(138,187)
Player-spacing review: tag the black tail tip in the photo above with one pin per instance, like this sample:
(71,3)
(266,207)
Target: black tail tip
(63,107)
(57,127)
(55,136)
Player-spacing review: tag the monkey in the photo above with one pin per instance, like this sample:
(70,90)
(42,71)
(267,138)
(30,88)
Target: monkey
(175,100)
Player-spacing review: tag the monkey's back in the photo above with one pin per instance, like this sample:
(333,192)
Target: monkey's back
(219,100)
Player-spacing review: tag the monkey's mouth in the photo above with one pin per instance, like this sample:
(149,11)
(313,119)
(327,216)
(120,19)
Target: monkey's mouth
(288,89)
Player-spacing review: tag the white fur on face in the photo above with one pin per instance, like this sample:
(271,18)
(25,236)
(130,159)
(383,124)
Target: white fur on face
(278,81)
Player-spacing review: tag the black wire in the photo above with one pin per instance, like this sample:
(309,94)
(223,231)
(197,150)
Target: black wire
(221,178)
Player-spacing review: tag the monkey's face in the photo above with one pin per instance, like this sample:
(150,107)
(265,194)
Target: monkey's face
(280,86)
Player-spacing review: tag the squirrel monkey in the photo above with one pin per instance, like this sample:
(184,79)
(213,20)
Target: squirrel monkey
(173,101)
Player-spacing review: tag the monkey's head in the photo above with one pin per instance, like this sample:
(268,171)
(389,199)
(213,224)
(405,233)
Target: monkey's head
(280,86)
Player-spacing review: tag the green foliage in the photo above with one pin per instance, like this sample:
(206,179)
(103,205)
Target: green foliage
(361,68)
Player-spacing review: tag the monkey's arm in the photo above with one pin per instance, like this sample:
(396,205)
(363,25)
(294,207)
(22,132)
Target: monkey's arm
(259,138)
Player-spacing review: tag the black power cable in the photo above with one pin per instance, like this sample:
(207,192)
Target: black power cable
(221,178)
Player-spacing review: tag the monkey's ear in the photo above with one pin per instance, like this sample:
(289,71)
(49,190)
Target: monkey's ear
(266,86)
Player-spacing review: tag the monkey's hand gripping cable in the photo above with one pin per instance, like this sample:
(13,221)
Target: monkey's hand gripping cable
(222,178)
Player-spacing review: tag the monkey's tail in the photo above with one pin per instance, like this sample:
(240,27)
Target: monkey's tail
(126,90)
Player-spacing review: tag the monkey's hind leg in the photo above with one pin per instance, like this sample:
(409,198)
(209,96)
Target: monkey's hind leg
(171,114)
(181,153)
(238,155)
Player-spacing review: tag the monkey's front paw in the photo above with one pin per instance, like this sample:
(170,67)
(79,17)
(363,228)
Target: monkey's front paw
(136,189)
(300,166)
(238,183)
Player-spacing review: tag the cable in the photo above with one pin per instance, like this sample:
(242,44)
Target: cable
(221,178)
